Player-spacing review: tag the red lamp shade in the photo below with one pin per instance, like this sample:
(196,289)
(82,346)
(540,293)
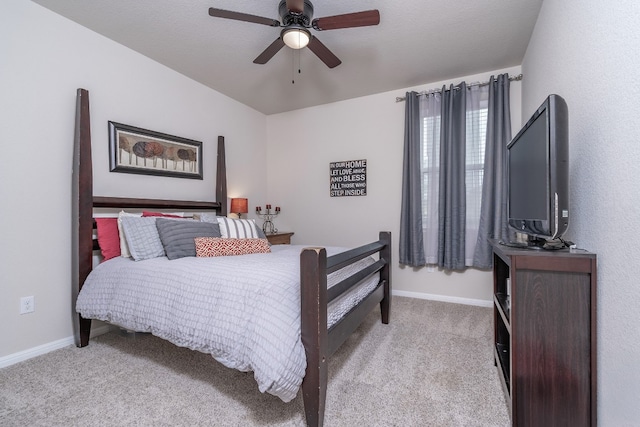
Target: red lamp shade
(239,206)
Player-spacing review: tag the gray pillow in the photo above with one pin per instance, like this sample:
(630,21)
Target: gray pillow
(261,234)
(209,217)
(142,237)
(177,237)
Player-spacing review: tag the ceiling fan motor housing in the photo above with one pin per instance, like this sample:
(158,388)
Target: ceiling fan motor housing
(296,19)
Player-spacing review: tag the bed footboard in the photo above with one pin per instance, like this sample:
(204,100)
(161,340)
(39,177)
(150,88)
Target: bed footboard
(318,341)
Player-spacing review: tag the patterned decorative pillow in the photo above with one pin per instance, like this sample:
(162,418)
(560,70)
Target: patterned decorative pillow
(178,236)
(216,246)
(209,217)
(237,228)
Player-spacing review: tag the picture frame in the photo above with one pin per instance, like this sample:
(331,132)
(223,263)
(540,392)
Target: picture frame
(142,151)
(348,178)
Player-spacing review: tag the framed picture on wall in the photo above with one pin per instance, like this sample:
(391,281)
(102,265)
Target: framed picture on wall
(348,178)
(142,151)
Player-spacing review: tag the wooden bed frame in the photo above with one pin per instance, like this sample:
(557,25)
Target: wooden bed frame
(319,343)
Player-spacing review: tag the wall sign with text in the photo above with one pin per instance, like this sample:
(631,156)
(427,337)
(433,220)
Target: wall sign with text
(348,178)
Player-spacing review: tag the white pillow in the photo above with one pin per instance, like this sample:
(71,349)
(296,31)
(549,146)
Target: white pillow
(124,247)
(237,228)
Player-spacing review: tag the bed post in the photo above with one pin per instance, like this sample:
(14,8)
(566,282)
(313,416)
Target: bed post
(221,178)
(313,299)
(385,275)
(82,212)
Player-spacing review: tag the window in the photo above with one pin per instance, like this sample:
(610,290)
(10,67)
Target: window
(451,205)
(476,142)
(476,129)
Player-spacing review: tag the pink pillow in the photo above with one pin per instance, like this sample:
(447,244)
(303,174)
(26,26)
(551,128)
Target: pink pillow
(218,246)
(108,237)
(147,213)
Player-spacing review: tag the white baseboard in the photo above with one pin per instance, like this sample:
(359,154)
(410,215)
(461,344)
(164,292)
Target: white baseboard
(46,348)
(443,298)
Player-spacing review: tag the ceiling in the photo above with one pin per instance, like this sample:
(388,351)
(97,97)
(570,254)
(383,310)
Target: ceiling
(416,42)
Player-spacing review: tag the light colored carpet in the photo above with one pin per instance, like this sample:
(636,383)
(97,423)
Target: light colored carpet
(431,366)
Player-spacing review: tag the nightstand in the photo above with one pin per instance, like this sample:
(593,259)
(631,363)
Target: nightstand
(279,238)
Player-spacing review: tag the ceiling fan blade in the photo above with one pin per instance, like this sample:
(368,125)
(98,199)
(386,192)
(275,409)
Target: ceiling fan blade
(268,53)
(323,53)
(348,20)
(295,6)
(238,16)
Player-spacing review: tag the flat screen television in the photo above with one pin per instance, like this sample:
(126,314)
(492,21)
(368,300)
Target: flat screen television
(538,176)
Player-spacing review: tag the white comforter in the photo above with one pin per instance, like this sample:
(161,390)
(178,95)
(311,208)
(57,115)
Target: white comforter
(243,310)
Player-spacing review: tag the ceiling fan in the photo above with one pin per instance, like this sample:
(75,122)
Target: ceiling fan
(296,16)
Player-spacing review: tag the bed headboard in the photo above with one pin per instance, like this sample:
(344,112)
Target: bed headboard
(83,203)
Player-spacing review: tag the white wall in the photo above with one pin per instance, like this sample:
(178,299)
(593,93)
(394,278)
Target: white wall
(44,59)
(587,52)
(302,143)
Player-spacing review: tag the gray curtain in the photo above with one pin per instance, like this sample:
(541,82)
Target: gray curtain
(493,215)
(411,235)
(452,193)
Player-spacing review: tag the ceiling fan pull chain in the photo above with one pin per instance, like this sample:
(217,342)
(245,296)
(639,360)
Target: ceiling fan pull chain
(293,66)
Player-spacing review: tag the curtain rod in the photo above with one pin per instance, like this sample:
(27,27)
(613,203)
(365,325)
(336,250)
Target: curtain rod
(429,92)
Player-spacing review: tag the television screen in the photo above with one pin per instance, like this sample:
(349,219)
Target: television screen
(538,177)
(529,184)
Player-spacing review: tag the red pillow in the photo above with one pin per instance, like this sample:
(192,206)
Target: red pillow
(108,237)
(146,213)
(218,246)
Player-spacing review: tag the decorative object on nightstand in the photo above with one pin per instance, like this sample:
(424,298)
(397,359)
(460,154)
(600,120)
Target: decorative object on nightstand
(281,238)
(239,206)
(268,226)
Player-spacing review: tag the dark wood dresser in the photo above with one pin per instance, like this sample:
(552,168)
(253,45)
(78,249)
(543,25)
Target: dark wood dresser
(545,334)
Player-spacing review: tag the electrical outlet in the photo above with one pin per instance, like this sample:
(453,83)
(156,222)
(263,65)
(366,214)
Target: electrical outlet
(27,305)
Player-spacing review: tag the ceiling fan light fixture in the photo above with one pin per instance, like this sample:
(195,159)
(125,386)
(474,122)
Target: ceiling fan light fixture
(296,38)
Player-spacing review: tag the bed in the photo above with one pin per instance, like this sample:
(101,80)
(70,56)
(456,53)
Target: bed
(316,297)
